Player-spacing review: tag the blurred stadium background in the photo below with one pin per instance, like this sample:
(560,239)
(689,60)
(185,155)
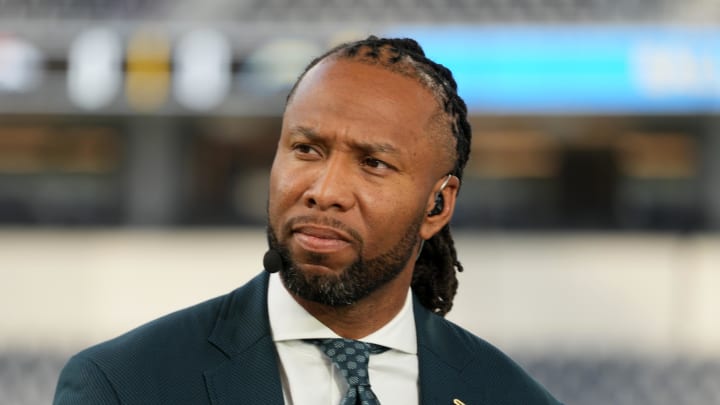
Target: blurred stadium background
(136,138)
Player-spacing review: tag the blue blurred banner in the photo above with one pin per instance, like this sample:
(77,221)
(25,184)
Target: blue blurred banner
(578,69)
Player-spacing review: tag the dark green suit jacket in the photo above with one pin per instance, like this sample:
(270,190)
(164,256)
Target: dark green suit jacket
(221,352)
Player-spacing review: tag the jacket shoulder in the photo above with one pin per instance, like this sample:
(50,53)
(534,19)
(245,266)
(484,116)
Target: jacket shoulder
(144,364)
(162,361)
(491,374)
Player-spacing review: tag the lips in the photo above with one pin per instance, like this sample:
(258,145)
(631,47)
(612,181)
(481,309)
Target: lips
(320,239)
(321,232)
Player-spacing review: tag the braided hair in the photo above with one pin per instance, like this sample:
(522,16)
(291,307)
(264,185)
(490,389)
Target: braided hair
(434,279)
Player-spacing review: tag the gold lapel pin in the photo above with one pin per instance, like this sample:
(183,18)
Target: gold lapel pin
(458,402)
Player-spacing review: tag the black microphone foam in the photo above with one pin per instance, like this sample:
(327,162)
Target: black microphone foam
(272,261)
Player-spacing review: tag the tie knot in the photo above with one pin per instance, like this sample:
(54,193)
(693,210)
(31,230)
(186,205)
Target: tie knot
(350,356)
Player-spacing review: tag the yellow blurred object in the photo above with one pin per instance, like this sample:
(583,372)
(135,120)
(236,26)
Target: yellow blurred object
(658,155)
(45,149)
(511,154)
(148,71)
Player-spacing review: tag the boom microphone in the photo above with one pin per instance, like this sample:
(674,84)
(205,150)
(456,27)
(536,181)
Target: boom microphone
(272,261)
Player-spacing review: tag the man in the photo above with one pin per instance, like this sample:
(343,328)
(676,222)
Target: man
(364,182)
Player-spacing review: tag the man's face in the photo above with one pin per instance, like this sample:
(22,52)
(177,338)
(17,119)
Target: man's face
(352,181)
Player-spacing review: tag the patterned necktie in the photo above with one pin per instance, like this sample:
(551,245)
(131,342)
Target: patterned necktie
(351,358)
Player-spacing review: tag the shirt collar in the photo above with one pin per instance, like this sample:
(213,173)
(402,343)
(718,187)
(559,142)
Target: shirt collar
(290,321)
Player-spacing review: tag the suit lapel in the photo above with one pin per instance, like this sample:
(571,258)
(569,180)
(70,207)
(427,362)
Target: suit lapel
(250,374)
(242,332)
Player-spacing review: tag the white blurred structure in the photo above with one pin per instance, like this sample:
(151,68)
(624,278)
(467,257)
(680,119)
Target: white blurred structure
(20,65)
(576,293)
(203,61)
(94,74)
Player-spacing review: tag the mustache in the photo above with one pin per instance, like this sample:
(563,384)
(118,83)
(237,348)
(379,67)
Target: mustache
(324,221)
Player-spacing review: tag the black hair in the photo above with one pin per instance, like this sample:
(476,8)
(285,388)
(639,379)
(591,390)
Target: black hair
(434,278)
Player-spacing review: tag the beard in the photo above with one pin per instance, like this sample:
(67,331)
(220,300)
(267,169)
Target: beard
(353,283)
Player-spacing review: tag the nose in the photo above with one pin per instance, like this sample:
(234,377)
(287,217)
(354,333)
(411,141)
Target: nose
(332,188)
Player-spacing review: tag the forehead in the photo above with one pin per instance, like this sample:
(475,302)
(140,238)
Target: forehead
(362,94)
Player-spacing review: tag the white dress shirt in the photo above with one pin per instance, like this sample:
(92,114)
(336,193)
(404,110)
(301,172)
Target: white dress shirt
(309,377)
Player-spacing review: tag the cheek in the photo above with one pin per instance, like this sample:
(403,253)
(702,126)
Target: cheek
(283,190)
(388,218)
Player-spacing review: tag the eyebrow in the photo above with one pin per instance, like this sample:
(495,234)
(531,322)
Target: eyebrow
(306,132)
(365,147)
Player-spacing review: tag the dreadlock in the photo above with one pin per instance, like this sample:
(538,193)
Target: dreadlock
(434,279)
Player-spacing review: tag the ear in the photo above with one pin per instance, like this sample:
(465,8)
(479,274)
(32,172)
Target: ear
(433,224)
